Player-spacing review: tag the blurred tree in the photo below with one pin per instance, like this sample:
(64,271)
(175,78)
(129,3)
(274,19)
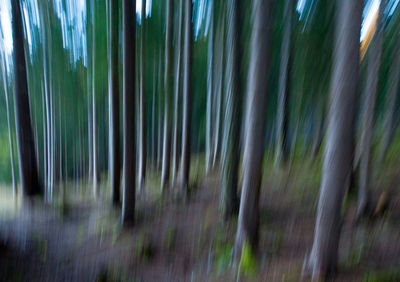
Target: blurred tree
(338,157)
(177,90)
(254,124)
(367,126)
(142,103)
(28,172)
(282,147)
(129,140)
(232,114)
(114,142)
(187,98)
(168,80)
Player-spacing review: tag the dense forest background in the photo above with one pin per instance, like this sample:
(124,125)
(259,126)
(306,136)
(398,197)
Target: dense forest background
(224,104)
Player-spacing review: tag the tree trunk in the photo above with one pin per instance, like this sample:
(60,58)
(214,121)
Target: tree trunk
(337,165)
(114,151)
(94,114)
(153,117)
(187,99)
(175,151)
(390,101)
(219,89)
(232,122)
(367,127)
(256,106)
(10,139)
(142,105)
(282,146)
(168,79)
(159,126)
(28,172)
(129,140)
(210,91)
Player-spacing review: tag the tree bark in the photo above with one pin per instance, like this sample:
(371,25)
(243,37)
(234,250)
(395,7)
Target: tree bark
(282,147)
(175,151)
(129,140)
(114,143)
(210,91)
(168,79)
(94,114)
(257,93)
(390,101)
(232,125)
(159,124)
(187,99)
(28,172)
(219,89)
(338,157)
(142,104)
(367,127)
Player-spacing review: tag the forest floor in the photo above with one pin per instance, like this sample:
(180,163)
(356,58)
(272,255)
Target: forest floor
(77,239)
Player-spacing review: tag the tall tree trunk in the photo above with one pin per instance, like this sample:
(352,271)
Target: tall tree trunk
(45,165)
(257,93)
(129,140)
(219,89)
(114,150)
(28,172)
(168,79)
(390,101)
(338,156)
(94,114)
(232,125)
(282,147)
(175,150)
(153,117)
(159,133)
(210,91)
(187,98)
(89,128)
(142,104)
(367,127)
(10,139)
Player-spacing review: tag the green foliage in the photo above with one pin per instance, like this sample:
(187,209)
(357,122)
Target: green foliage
(223,255)
(248,263)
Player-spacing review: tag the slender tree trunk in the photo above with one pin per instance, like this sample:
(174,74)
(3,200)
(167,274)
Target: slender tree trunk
(94,115)
(159,133)
(367,127)
(219,89)
(187,98)
(175,151)
(231,152)
(89,130)
(129,147)
(257,93)
(338,156)
(168,79)
(210,91)
(282,147)
(142,104)
(45,165)
(153,117)
(10,139)
(25,144)
(390,101)
(114,150)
